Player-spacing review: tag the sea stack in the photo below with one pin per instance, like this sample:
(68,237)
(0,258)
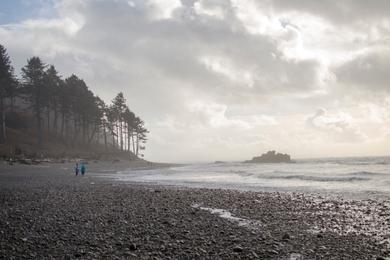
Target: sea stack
(271,157)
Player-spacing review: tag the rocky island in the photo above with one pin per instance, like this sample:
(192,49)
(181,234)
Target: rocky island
(271,157)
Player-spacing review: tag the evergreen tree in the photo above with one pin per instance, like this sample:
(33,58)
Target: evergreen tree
(119,106)
(83,116)
(7,88)
(33,75)
(53,83)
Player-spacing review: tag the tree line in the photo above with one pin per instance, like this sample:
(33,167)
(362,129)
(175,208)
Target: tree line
(67,108)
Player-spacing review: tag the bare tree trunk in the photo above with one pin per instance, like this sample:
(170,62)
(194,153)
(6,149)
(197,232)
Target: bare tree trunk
(84,125)
(132,140)
(48,119)
(137,148)
(117,135)
(62,125)
(3,136)
(55,118)
(97,135)
(121,133)
(105,135)
(66,130)
(92,135)
(128,138)
(39,127)
(12,99)
(113,135)
(76,130)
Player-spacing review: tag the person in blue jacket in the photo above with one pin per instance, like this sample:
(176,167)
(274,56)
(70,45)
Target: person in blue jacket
(83,169)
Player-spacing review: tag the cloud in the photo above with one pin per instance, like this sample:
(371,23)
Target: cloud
(163,9)
(369,71)
(339,126)
(348,11)
(231,75)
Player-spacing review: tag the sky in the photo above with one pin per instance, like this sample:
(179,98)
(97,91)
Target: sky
(224,79)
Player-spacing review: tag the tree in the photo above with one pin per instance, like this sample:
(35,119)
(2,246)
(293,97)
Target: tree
(53,83)
(119,107)
(140,135)
(129,118)
(102,110)
(33,75)
(64,108)
(8,85)
(84,117)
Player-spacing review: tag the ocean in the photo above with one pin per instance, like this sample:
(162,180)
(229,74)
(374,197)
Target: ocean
(350,178)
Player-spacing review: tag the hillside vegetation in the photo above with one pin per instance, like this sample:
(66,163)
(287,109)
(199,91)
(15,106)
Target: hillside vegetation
(43,115)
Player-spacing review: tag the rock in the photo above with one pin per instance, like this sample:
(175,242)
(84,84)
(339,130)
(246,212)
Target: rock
(77,254)
(295,256)
(271,157)
(272,252)
(133,247)
(286,236)
(238,249)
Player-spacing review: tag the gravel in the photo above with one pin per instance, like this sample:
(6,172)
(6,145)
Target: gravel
(46,212)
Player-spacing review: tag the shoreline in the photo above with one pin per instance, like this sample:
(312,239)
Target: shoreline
(48,212)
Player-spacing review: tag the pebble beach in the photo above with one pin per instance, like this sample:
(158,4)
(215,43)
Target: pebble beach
(48,213)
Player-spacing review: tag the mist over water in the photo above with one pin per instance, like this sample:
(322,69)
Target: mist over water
(364,177)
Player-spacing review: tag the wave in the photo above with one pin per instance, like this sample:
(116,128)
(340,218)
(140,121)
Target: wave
(315,178)
(348,161)
(366,173)
(242,173)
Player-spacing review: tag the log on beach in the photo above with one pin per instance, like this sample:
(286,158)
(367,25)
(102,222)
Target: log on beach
(47,212)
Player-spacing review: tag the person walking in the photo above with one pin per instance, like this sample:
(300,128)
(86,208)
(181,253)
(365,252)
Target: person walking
(76,169)
(83,169)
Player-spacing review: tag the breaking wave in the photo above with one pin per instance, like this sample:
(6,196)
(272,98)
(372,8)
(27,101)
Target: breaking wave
(315,178)
(366,173)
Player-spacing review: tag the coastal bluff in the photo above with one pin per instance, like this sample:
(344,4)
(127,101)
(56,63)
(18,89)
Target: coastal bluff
(271,157)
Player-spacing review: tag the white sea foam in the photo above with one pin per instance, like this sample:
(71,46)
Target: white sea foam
(352,177)
(242,222)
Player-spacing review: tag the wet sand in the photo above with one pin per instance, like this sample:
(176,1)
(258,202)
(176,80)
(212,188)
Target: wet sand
(47,212)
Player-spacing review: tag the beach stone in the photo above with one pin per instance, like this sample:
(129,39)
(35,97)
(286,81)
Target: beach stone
(238,249)
(295,256)
(133,247)
(64,216)
(272,252)
(77,254)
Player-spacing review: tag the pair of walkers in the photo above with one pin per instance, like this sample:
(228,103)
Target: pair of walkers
(82,169)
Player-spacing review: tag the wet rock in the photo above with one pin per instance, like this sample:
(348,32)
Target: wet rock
(272,252)
(295,256)
(286,236)
(77,254)
(238,249)
(133,247)
(60,215)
